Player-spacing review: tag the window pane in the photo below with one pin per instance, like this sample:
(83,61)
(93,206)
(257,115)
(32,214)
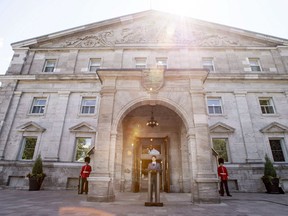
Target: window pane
(277,151)
(255,68)
(92,109)
(36,109)
(210,110)
(219,146)
(93,68)
(210,68)
(264,102)
(87,102)
(29,148)
(218,110)
(49,69)
(213,102)
(40,102)
(83,145)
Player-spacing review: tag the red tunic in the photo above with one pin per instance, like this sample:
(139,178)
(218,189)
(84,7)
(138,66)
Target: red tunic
(222,172)
(85,171)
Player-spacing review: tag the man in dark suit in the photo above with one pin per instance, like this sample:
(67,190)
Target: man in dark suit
(153,168)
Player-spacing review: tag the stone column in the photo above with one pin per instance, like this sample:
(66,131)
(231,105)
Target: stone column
(206,179)
(246,127)
(101,180)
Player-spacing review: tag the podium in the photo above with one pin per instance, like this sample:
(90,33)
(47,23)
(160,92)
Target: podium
(153,185)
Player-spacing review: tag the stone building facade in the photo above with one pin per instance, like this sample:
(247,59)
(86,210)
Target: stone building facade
(214,91)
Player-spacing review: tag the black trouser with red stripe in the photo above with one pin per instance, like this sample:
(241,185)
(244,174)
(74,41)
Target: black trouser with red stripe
(225,184)
(84,185)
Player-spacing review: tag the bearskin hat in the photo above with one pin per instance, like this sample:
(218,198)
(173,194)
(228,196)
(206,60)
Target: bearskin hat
(221,161)
(87,159)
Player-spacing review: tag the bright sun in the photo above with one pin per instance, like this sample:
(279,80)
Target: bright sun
(189,8)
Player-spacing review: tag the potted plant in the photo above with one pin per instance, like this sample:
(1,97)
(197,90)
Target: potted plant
(270,178)
(37,176)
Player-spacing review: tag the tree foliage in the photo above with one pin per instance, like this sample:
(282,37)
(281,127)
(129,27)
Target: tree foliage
(269,169)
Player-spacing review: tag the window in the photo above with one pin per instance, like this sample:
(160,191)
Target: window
(254,64)
(161,63)
(278,149)
(83,145)
(140,62)
(214,106)
(38,106)
(88,105)
(266,105)
(208,63)
(50,65)
(94,64)
(28,150)
(220,146)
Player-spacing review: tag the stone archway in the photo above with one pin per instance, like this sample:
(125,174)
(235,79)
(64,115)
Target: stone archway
(182,93)
(133,136)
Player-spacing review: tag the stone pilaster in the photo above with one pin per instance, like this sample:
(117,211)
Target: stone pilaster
(101,180)
(204,177)
(6,125)
(246,128)
(192,165)
(55,141)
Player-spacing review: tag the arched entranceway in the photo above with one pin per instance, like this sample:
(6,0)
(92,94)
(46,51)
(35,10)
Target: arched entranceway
(178,97)
(167,141)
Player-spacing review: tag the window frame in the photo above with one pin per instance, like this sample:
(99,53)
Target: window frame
(35,99)
(83,99)
(94,63)
(23,146)
(256,65)
(266,107)
(221,105)
(227,149)
(76,148)
(210,67)
(46,63)
(283,148)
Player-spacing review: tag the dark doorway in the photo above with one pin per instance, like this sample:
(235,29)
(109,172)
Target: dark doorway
(143,151)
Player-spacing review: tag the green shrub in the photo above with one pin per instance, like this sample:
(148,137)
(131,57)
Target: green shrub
(269,170)
(37,170)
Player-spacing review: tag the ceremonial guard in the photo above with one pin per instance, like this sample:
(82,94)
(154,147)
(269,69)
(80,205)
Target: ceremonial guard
(84,174)
(223,175)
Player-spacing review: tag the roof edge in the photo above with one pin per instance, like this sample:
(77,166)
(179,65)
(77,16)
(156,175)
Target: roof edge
(129,17)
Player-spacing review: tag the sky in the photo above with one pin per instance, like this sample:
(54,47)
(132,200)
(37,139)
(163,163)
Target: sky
(25,19)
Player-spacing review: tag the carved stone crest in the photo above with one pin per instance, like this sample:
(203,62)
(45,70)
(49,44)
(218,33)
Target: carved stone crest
(153,79)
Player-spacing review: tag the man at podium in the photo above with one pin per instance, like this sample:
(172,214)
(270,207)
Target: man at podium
(153,168)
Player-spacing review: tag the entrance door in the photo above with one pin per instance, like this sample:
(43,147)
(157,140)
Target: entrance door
(144,149)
